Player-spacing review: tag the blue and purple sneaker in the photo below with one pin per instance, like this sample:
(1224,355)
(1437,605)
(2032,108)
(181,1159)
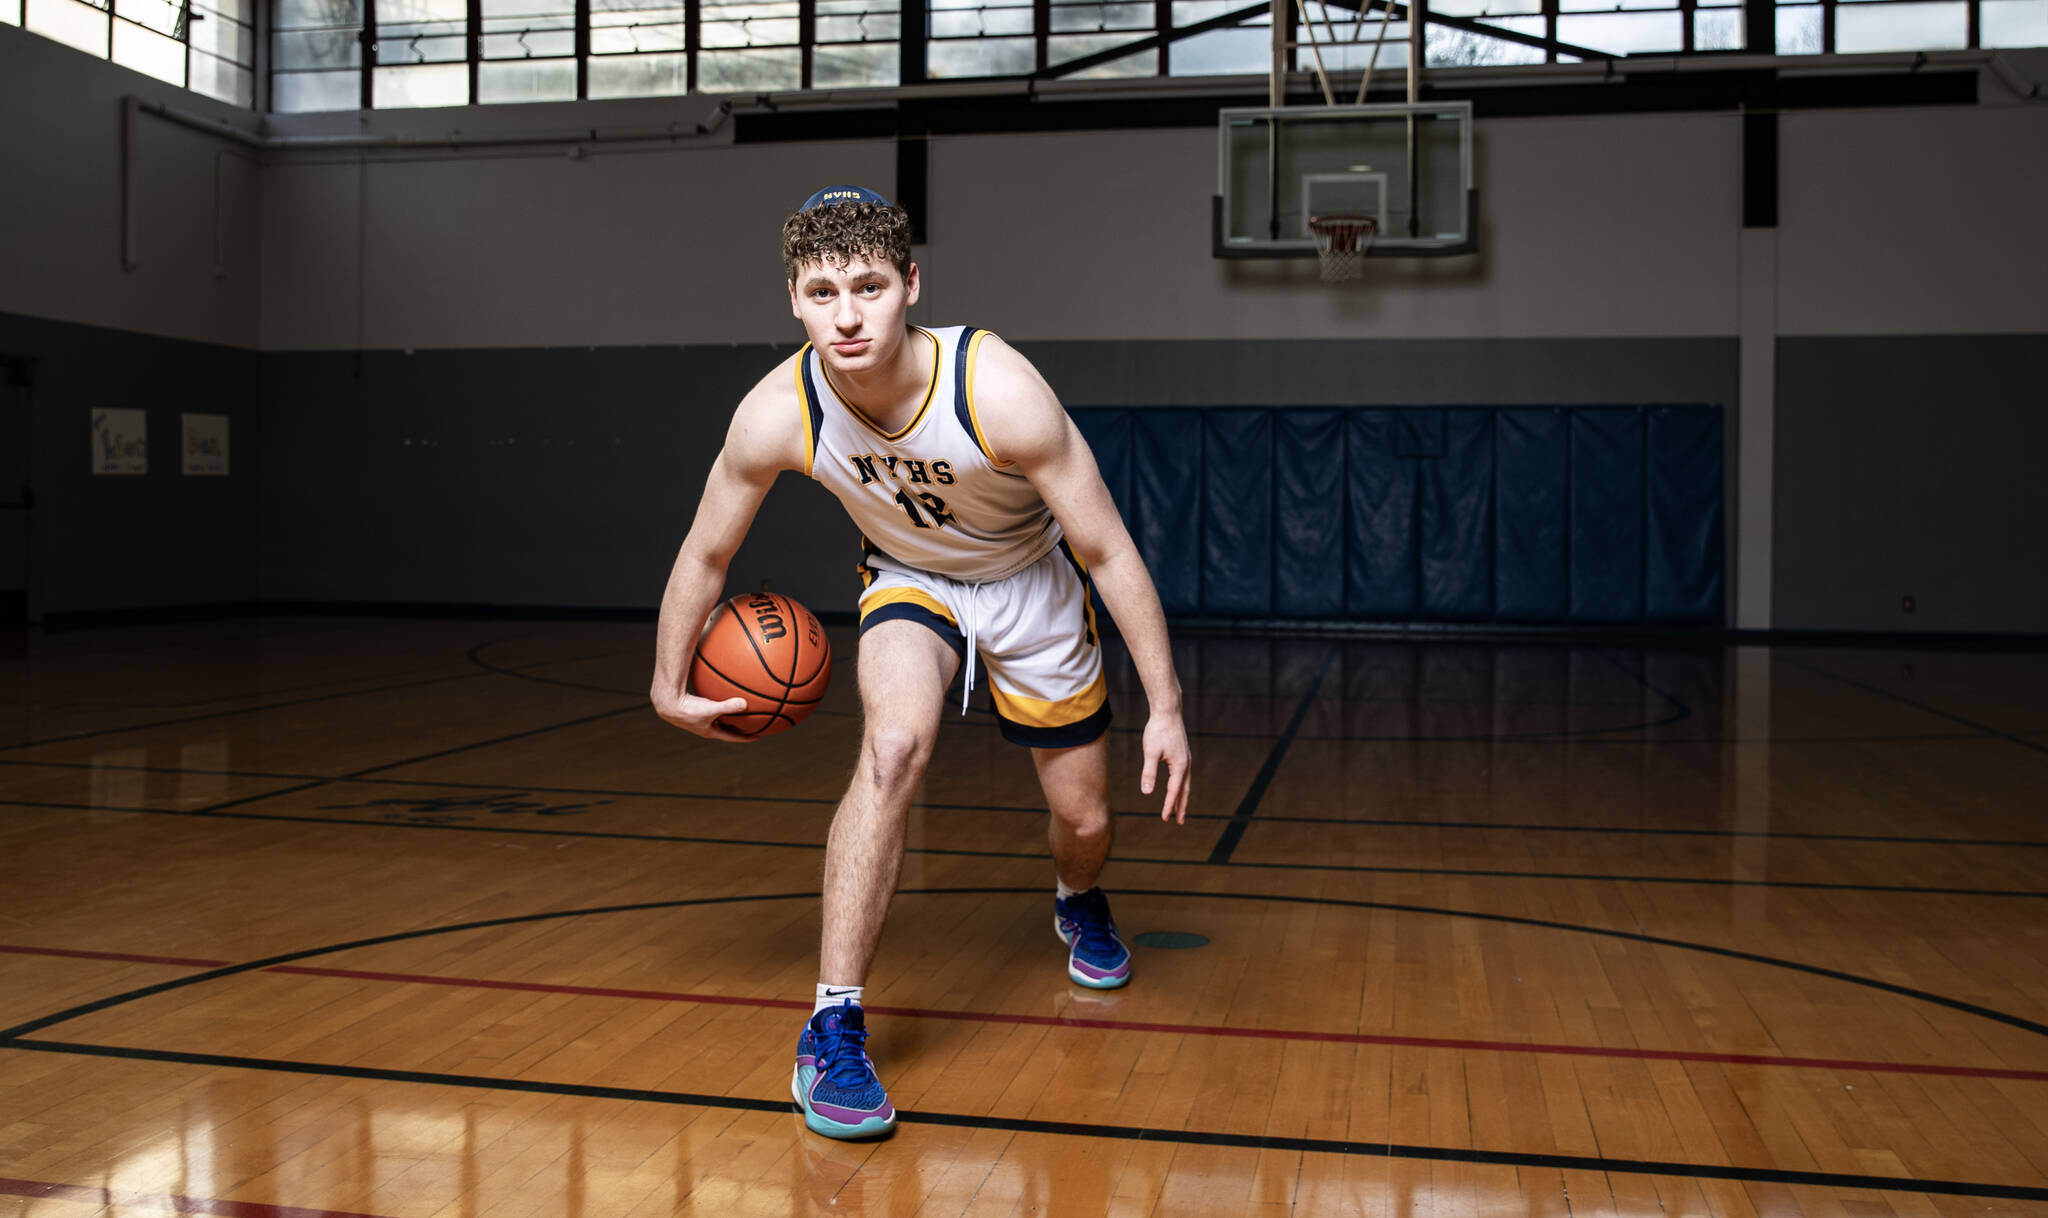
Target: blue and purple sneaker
(835,1082)
(1098,959)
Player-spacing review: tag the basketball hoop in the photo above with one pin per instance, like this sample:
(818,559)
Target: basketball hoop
(1341,242)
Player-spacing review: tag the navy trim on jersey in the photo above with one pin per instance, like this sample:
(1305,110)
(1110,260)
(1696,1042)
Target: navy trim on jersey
(812,404)
(1087,591)
(960,410)
(1065,736)
(904,611)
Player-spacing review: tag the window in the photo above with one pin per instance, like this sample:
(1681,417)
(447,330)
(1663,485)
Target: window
(207,46)
(455,52)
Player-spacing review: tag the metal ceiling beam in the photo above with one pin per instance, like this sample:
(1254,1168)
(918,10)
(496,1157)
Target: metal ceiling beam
(1477,27)
(1220,21)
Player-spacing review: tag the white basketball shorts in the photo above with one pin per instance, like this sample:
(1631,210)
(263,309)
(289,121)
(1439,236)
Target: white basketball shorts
(1033,633)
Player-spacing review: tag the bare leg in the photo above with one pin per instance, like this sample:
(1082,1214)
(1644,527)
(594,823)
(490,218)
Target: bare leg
(904,671)
(1076,785)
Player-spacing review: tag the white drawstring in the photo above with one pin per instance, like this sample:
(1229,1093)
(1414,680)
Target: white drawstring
(973,617)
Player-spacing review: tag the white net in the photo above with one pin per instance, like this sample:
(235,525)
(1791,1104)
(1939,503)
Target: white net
(1341,242)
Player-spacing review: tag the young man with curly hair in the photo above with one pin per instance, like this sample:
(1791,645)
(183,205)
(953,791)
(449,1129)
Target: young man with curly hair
(984,522)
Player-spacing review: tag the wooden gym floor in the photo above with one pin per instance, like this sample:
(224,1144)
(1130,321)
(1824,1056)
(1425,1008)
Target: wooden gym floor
(309,915)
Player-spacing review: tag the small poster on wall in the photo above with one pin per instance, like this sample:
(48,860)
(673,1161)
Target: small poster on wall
(120,441)
(206,444)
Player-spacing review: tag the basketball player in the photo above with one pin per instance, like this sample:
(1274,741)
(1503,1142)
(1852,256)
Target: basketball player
(984,522)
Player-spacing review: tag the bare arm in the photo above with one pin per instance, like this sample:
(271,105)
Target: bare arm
(766,437)
(1025,423)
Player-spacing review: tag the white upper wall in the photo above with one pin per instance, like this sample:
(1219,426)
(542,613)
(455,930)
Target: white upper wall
(1608,226)
(60,208)
(1914,222)
(534,249)
(1892,221)
(1590,227)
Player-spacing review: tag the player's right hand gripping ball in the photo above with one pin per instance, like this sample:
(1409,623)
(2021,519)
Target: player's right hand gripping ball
(768,649)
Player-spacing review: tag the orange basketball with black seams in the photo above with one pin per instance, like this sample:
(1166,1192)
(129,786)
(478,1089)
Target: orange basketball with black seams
(768,649)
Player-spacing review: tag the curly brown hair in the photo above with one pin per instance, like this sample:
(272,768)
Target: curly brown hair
(839,233)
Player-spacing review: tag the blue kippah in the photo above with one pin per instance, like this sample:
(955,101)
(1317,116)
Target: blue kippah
(843,194)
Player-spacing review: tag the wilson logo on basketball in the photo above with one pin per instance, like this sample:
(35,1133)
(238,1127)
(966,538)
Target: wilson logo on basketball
(766,619)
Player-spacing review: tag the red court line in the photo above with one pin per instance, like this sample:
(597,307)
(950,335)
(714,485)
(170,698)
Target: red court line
(1117,1025)
(1178,1029)
(170,1202)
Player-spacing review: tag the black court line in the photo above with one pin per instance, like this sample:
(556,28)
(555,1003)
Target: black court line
(1076,1129)
(48,653)
(222,810)
(70,1013)
(1247,807)
(13,1038)
(240,710)
(524,788)
(984,717)
(252,710)
(1916,704)
(222,807)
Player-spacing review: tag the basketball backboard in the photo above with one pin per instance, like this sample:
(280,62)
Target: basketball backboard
(1408,166)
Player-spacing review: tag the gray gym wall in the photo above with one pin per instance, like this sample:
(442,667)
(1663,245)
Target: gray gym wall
(500,377)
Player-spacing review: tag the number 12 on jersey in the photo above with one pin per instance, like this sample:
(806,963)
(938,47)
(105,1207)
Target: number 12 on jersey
(932,504)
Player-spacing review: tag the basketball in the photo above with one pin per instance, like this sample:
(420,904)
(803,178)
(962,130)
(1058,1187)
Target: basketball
(768,649)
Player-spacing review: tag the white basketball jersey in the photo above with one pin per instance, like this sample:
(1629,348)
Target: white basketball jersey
(929,496)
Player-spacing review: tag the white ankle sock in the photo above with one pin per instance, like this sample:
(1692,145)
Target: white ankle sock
(1065,893)
(833,995)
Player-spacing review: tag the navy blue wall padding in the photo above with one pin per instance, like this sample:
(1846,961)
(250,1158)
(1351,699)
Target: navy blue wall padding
(1531,471)
(1237,512)
(1380,573)
(1308,515)
(1167,474)
(1108,433)
(1542,515)
(1454,519)
(1683,580)
(1607,515)
(1419,433)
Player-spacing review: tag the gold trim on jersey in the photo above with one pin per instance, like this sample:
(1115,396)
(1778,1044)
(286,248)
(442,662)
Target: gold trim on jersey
(930,391)
(1032,712)
(967,388)
(899,595)
(803,406)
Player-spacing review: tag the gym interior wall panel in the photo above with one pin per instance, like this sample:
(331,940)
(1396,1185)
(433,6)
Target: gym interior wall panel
(1454,518)
(1607,513)
(1586,223)
(1237,512)
(162,538)
(196,217)
(554,478)
(1911,467)
(1359,371)
(1683,491)
(617,247)
(1308,516)
(1380,571)
(1532,474)
(1167,479)
(1912,222)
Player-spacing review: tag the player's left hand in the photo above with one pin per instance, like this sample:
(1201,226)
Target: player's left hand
(1166,739)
